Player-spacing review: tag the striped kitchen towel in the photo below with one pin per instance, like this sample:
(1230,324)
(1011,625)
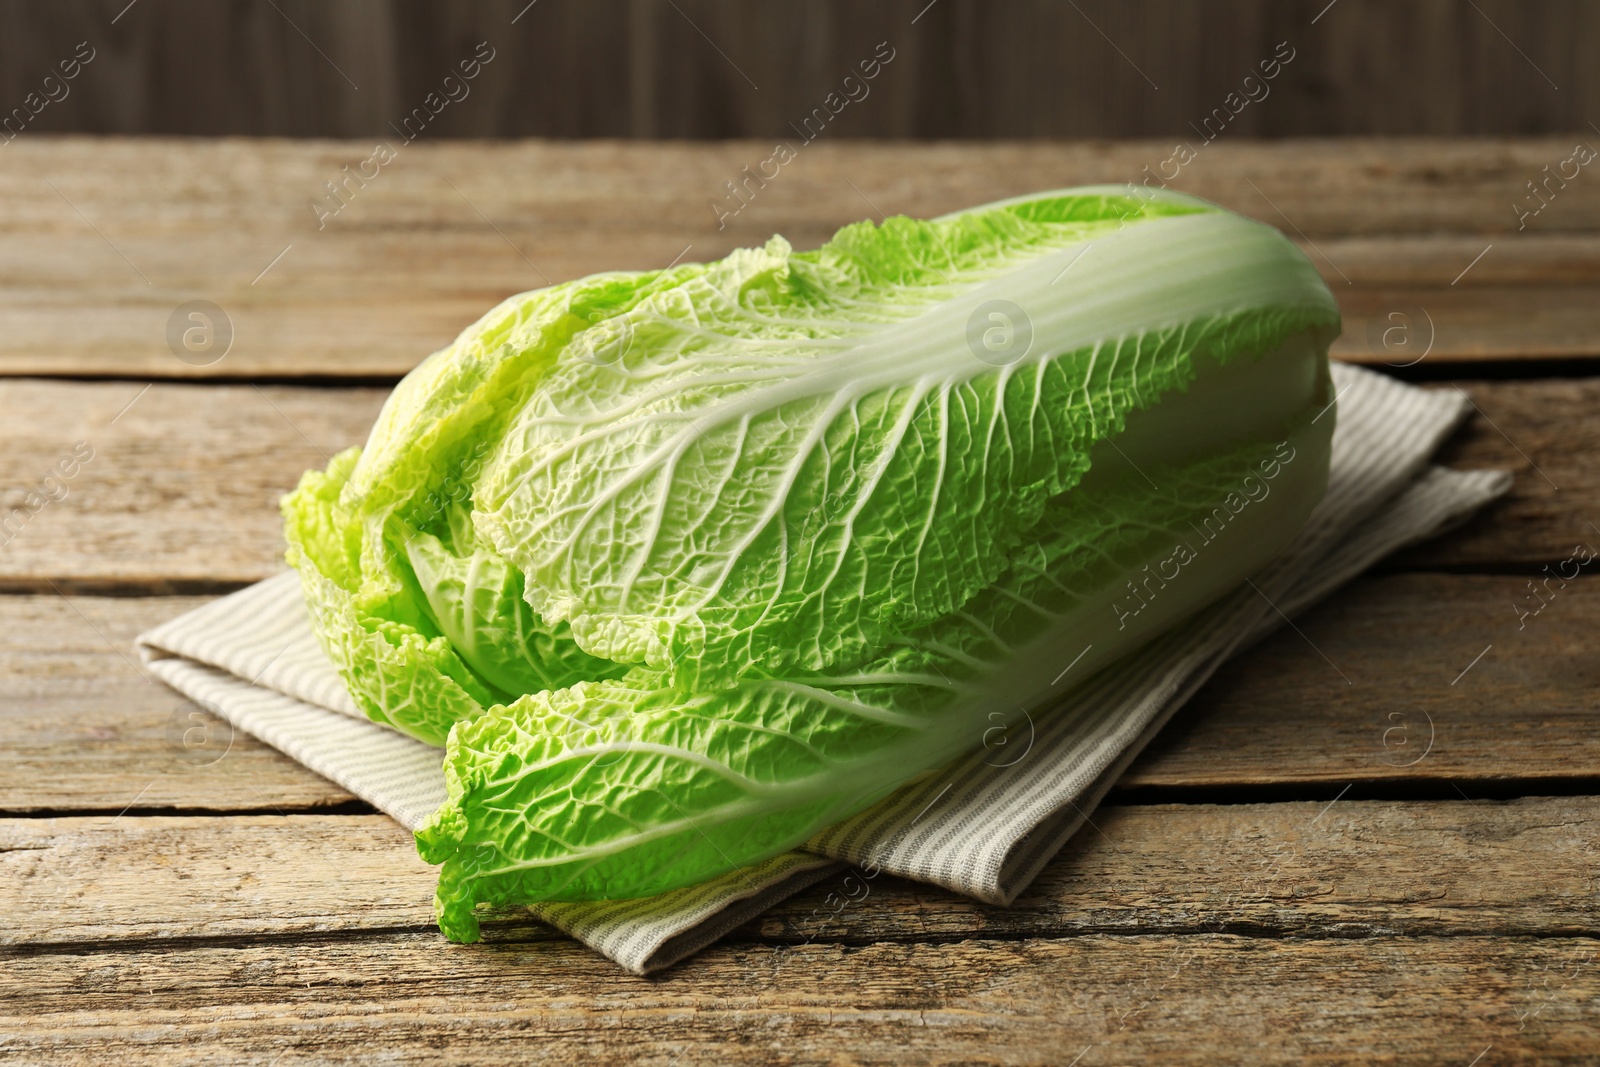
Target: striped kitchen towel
(984,826)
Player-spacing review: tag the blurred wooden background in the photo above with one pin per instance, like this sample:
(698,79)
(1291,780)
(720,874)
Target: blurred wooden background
(743,68)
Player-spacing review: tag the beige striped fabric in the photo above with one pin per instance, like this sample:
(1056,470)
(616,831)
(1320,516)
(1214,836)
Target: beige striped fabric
(984,826)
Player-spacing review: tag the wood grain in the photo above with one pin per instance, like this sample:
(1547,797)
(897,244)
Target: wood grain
(1357,869)
(1524,297)
(183,486)
(1545,432)
(105,239)
(82,729)
(964,68)
(181,493)
(404,998)
(1444,687)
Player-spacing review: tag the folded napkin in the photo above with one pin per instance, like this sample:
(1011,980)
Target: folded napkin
(984,826)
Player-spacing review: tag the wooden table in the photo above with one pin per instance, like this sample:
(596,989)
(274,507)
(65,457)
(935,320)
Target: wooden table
(1400,869)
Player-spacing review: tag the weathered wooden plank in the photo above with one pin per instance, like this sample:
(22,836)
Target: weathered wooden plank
(1447,683)
(404,998)
(1547,434)
(93,268)
(339,315)
(183,484)
(1357,869)
(1447,298)
(81,729)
